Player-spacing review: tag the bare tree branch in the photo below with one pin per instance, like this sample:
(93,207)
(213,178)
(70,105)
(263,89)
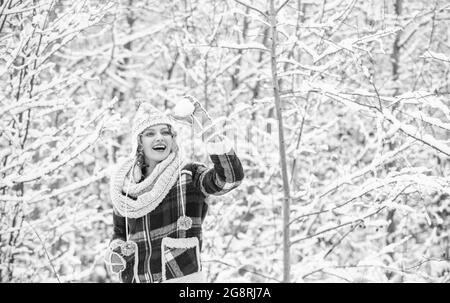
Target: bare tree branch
(252,8)
(281,6)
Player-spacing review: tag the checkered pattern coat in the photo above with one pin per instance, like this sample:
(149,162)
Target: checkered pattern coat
(148,231)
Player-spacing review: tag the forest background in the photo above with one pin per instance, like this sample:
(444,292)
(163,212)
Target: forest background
(356,189)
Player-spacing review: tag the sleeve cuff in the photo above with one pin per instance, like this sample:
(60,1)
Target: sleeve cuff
(219,148)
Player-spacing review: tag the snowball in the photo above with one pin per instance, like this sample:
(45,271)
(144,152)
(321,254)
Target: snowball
(183,108)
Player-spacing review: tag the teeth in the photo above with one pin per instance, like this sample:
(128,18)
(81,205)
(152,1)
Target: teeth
(159,147)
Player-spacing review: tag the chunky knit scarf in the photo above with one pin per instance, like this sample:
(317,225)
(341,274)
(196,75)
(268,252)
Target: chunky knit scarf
(134,200)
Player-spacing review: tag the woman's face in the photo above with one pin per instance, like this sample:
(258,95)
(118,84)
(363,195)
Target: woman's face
(157,142)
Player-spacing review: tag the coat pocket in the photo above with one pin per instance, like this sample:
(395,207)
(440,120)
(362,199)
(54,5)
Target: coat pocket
(180,257)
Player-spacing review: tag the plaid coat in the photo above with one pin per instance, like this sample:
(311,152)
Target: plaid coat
(148,231)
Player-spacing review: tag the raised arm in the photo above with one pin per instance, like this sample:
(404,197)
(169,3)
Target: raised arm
(226,174)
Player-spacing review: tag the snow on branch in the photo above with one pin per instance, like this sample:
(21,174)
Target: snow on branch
(437,56)
(371,167)
(69,188)
(36,174)
(243,46)
(409,130)
(419,135)
(21,9)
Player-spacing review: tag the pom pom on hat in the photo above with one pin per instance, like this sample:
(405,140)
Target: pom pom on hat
(146,116)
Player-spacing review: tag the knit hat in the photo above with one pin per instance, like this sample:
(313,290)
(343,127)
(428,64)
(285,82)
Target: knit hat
(146,115)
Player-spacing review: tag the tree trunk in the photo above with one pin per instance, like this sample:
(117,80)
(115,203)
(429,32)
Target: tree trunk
(276,91)
(392,227)
(117,91)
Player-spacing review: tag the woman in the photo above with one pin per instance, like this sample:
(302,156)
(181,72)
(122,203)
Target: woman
(159,203)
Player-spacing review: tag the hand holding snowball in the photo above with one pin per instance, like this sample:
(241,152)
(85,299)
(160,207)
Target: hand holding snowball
(190,110)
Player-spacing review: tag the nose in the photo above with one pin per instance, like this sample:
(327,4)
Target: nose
(158,137)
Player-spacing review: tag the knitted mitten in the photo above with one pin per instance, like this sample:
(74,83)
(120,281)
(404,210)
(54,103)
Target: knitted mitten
(119,255)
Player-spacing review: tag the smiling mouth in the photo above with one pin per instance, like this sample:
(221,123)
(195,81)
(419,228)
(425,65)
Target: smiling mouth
(159,148)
